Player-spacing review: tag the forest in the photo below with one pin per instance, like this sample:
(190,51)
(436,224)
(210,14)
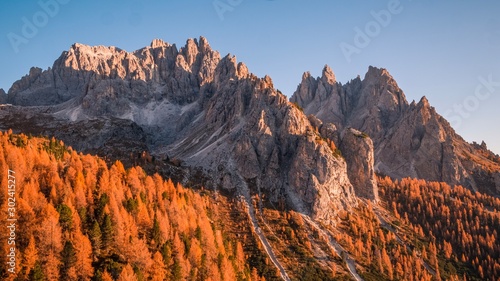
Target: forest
(79,217)
(457,229)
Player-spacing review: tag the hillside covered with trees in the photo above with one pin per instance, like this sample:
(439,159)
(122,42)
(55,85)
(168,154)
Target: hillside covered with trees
(80,218)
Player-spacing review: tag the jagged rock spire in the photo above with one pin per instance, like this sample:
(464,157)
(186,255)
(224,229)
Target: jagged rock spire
(328,76)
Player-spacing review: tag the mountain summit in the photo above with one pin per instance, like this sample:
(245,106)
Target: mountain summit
(410,140)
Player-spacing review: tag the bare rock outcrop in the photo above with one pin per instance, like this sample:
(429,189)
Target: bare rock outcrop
(357,148)
(273,146)
(3,97)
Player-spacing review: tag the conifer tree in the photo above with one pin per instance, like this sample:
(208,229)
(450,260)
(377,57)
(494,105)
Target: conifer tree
(68,259)
(107,233)
(30,256)
(36,273)
(96,238)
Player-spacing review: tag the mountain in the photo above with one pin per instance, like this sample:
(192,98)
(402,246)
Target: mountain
(206,172)
(189,104)
(410,140)
(212,114)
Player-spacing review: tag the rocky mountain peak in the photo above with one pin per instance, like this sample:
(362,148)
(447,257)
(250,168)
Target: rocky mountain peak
(379,89)
(3,96)
(381,78)
(424,102)
(27,80)
(268,82)
(377,73)
(190,51)
(328,76)
(94,51)
(204,46)
(306,75)
(483,144)
(91,71)
(426,111)
(242,70)
(315,90)
(194,47)
(372,105)
(409,140)
(159,43)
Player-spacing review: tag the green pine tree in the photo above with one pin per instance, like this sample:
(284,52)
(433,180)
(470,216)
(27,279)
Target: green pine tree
(107,233)
(176,270)
(155,232)
(96,239)
(36,273)
(65,217)
(68,259)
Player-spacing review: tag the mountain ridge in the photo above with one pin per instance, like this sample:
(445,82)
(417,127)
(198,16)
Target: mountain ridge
(193,105)
(194,83)
(377,106)
(293,182)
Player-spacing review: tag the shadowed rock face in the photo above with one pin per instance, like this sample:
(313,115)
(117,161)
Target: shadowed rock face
(190,104)
(496,176)
(410,140)
(3,97)
(112,138)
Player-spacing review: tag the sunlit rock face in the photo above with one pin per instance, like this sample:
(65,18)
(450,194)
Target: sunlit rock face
(410,140)
(357,148)
(194,105)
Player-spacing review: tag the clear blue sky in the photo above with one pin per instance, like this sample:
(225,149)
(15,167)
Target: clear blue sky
(439,49)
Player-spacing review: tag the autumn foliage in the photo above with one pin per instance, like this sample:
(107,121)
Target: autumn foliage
(80,219)
(431,232)
(383,254)
(460,226)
